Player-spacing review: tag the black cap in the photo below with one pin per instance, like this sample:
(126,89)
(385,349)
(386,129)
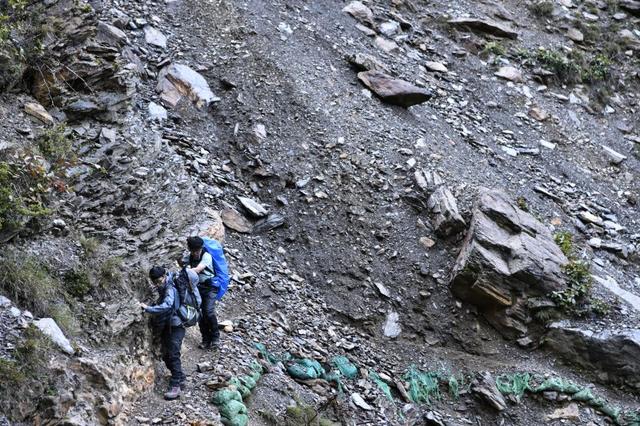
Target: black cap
(156,272)
(194,243)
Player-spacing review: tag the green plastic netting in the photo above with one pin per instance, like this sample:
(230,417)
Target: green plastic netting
(239,420)
(244,391)
(248,381)
(514,384)
(305,369)
(384,387)
(559,385)
(232,408)
(346,368)
(423,385)
(225,395)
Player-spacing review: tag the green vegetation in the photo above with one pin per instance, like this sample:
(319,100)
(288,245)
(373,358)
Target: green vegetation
(576,298)
(564,240)
(55,146)
(111,271)
(31,284)
(26,373)
(77,282)
(494,48)
(565,69)
(542,9)
(28,283)
(89,246)
(23,186)
(522,204)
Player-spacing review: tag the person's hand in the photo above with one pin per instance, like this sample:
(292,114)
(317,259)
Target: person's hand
(143,306)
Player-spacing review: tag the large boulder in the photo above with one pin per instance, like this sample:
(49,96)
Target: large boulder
(631,6)
(507,257)
(614,356)
(486,26)
(392,90)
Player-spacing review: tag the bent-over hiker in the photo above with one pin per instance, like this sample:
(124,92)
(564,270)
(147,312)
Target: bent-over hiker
(170,326)
(201,262)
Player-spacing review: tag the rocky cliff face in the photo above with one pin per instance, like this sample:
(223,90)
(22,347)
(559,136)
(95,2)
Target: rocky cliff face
(340,150)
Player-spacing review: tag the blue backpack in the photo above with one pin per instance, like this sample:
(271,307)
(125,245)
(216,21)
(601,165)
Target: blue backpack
(221,270)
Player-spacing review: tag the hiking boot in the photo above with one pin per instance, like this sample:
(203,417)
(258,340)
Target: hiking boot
(183,384)
(172,393)
(215,344)
(205,346)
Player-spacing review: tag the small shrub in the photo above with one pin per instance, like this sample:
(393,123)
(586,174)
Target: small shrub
(565,69)
(111,270)
(77,282)
(598,69)
(26,373)
(28,283)
(494,48)
(600,307)
(564,240)
(89,245)
(576,297)
(543,9)
(55,146)
(522,204)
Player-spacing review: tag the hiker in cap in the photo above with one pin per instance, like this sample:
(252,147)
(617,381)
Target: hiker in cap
(169,325)
(201,262)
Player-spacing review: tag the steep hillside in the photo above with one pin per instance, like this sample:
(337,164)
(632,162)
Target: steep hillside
(487,234)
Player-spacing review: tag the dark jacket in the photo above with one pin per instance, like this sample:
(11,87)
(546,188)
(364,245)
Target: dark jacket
(167,304)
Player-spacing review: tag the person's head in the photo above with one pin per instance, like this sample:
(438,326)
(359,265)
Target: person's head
(195,244)
(157,274)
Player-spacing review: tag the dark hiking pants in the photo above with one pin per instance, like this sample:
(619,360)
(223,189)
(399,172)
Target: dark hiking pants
(209,323)
(171,344)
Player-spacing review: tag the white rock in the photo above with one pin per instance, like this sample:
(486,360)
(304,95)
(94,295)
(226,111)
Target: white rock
(49,327)
(511,74)
(256,209)
(359,11)
(36,110)
(614,156)
(157,112)
(15,312)
(178,80)
(386,45)
(392,325)
(154,37)
(575,35)
(436,66)
(389,28)
(4,302)
(360,402)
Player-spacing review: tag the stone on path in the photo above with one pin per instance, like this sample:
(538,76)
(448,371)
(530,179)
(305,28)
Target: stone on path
(510,73)
(442,204)
(391,326)
(614,354)
(614,156)
(485,26)
(575,35)
(157,112)
(36,110)
(570,412)
(254,208)
(394,91)
(360,402)
(486,388)
(360,12)
(177,81)
(49,327)
(154,37)
(234,220)
(507,257)
(436,66)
